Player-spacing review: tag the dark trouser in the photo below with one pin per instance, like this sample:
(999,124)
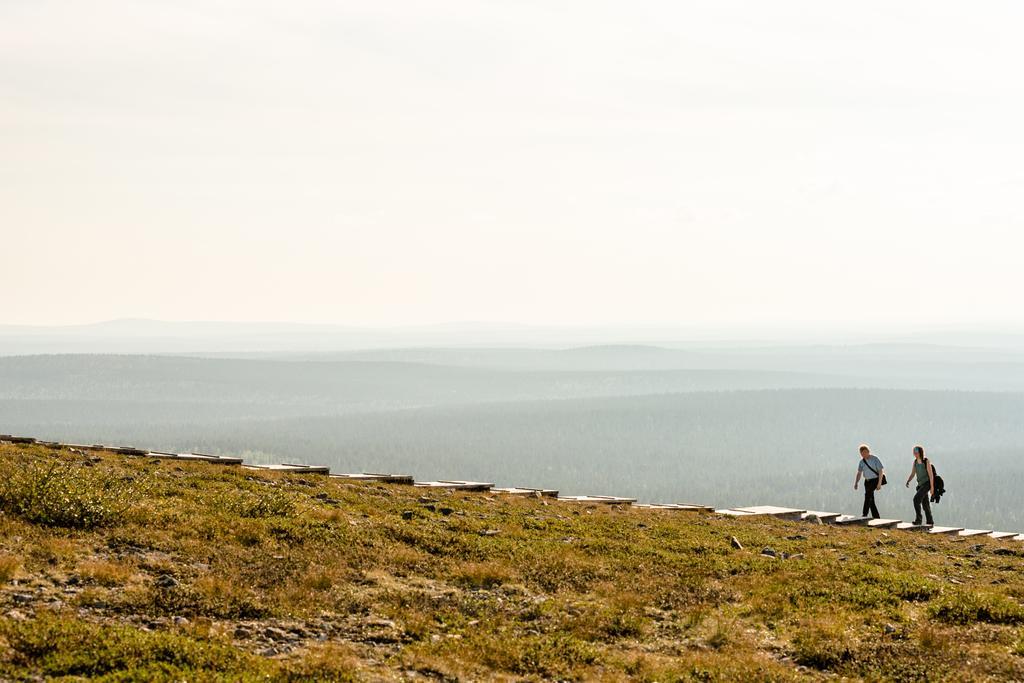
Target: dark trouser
(921,499)
(869,498)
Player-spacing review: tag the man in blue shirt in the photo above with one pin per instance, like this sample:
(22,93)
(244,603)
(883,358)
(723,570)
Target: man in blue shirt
(871,469)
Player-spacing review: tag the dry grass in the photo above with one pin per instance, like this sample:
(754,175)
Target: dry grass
(9,566)
(106,573)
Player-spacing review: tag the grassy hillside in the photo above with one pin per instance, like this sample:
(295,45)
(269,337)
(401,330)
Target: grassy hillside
(139,569)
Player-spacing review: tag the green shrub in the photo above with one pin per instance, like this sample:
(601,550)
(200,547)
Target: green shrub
(912,588)
(486,575)
(965,607)
(211,596)
(8,567)
(821,648)
(64,646)
(550,656)
(1018,646)
(56,493)
(256,505)
(624,624)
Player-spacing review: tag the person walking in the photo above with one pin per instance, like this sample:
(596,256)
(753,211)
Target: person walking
(870,467)
(925,474)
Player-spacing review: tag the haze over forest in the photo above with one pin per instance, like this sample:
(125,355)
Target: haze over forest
(710,422)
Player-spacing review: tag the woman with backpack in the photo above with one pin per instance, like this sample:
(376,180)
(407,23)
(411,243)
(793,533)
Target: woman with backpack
(925,474)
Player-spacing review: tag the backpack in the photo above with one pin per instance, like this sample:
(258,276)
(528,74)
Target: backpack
(940,486)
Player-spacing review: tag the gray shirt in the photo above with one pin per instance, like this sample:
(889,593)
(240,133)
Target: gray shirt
(874,462)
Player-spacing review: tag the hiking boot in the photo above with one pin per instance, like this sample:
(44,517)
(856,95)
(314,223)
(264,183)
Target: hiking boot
(916,522)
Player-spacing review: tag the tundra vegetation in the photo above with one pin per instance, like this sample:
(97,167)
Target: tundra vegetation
(171,570)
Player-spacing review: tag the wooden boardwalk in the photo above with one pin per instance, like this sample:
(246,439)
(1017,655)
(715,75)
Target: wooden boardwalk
(536,493)
(377,477)
(883,523)
(678,507)
(754,511)
(456,485)
(599,500)
(772,511)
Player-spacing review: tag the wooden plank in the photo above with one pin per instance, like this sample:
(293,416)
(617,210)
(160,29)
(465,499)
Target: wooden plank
(773,511)
(602,500)
(393,478)
(515,491)
(454,485)
(851,520)
(474,484)
(770,510)
(377,477)
(291,468)
(1002,534)
(199,457)
(825,517)
(126,450)
(679,507)
(967,533)
(219,459)
(884,523)
(734,513)
(226,460)
(945,530)
(309,469)
(907,526)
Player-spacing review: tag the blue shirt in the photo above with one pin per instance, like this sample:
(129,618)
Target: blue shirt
(874,462)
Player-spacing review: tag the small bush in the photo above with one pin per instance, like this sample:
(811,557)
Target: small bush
(720,637)
(106,573)
(9,565)
(484,575)
(554,655)
(1018,646)
(318,581)
(327,662)
(913,588)
(209,596)
(54,550)
(964,607)
(257,505)
(70,495)
(550,656)
(249,534)
(624,624)
(67,647)
(932,640)
(821,648)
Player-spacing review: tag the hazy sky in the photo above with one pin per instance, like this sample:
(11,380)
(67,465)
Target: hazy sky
(536,161)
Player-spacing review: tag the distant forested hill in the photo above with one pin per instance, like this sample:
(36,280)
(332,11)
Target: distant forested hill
(330,387)
(709,436)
